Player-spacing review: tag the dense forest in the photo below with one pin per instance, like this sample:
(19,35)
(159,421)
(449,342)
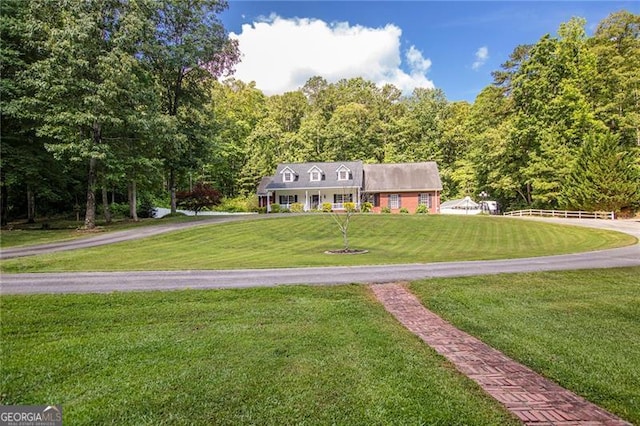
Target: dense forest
(115,102)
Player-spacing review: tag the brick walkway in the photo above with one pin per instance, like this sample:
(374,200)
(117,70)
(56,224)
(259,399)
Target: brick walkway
(532,398)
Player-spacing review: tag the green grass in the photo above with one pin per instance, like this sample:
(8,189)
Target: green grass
(299,241)
(289,355)
(579,328)
(27,234)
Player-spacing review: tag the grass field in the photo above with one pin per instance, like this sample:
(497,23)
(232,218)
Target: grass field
(579,328)
(26,234)
(298,241)
(290,355)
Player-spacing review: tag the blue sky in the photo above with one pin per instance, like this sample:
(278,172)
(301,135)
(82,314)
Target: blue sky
(450,45)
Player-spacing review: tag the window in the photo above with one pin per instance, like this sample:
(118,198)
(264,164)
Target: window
(287,177)
(394,201)
(315,176)
(343,174)
(425,200)
(288,199)
(342,198)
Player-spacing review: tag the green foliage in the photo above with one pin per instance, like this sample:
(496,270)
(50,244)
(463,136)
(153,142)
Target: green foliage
(422,209)
(385,209)
(327,207)
(366,207)
(606,177)
(239,204)
(404,210)
(275,208)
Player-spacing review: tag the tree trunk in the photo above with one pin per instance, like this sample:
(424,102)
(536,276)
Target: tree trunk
(4,200)
(105,205)
(172,190)
(133,201)
(31,205)
(90,213)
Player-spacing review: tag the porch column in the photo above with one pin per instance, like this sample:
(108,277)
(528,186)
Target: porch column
(268,202)
(319,200)
(307,204)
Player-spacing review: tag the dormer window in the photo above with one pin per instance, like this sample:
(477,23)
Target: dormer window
(315,174)
(288,175)
(343,173)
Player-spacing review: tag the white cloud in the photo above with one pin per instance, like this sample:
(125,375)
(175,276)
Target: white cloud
(482,55)
(282,54)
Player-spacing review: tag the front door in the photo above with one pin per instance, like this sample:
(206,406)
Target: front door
(315,201)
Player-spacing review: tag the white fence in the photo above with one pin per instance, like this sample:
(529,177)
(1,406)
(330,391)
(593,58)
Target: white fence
(563,213)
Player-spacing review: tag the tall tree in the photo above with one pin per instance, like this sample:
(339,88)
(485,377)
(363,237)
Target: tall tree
(605,177)
(189,46)
(85,80)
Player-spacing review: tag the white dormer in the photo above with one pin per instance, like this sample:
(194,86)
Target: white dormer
(288,175)
(343,172)
(315,174)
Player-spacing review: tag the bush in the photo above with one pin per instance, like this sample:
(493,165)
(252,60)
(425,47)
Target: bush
(386,209)
(297,208)
(118,210)
(326,207)
(202,196)
(404,210)
(350,207)
(275,208)
(239,204)
(422,209)
(366,207)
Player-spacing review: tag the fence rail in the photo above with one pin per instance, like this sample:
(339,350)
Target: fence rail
(563,214)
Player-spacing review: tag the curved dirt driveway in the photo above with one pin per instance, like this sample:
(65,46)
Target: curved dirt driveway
(98,282)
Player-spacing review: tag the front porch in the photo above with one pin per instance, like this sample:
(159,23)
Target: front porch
(314,199)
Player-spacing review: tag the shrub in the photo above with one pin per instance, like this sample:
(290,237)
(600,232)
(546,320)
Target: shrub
(248,203)
(350,207)
(297,208)
(422,209)
(326,207)
(404,210)
(119,210)
(366,207)
(275,208)
(385,209)
(202,196)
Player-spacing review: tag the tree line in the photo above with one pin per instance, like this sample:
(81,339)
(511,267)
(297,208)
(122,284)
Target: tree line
(130,93)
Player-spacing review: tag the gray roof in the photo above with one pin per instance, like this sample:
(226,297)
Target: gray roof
(402,177)
(262,186)
(329,176)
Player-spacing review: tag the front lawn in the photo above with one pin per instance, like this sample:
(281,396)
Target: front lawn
(299,241)
(290,355)
(579,328)
(53,231)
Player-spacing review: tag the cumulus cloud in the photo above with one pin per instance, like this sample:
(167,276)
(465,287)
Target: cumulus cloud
(282,54)
(482,55)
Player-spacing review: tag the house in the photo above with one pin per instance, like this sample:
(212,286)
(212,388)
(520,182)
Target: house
(404,185)
(395,186)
